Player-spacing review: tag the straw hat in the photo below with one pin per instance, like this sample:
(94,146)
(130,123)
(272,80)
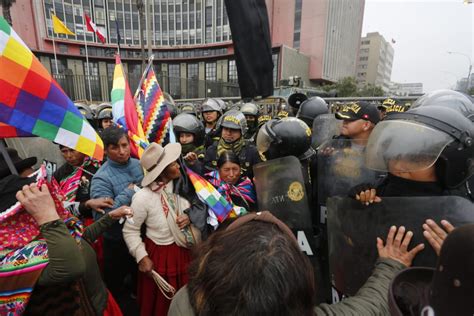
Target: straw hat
(156,158)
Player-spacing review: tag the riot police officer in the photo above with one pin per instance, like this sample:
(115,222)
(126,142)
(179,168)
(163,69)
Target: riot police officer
(104,116)
(233,127)
(448,98)
(310,109)
(211,111)
(87,113)
(189,108)
(250,111)
(391,105)
(358,121)
(427,151)
(189,132)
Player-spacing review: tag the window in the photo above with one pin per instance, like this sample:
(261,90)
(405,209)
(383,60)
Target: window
(275,69)
(364,58)
(365,42)
(174,80)
(365,50)
(233,75)
(211,71)
(193,80)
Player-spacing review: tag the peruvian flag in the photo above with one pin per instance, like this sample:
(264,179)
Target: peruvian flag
(91,27)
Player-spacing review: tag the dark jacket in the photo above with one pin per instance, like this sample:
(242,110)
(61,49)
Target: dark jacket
(248,157)
(69,263)
(371,299)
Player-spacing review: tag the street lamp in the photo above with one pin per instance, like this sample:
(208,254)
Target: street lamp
(470,66)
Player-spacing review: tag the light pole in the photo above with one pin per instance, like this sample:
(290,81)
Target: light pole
(470,67)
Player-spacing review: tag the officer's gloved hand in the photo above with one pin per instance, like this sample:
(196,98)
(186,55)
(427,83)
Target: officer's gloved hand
(365,193)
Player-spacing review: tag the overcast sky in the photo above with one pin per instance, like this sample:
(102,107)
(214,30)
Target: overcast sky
(424,31)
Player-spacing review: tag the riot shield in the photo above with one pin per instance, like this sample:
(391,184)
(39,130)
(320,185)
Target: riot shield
(341,166)
(325,127)
(353,229)
(281,189)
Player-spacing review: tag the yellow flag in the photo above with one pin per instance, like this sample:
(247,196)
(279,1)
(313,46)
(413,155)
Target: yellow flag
(59,27)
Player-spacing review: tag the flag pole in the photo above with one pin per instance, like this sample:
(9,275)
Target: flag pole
(7,158)
(54,43)
(118,35)
(87,54)
(150,63)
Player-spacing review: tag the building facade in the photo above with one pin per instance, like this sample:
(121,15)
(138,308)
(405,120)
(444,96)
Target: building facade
(190,39)
(327,31)
(375,61)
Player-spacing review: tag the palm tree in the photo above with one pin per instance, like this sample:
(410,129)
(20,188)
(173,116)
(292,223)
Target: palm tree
(6,5)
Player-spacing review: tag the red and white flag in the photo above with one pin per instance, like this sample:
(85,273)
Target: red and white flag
(91,27)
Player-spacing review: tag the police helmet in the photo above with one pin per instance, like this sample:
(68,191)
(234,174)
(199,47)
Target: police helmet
(222,104)
(421,138)
(250,109)
(210,105)
(448,98)
(85,111)
(234,120)
(104,111)
(311,108)
(188,123)
(188,108)
(171,108)
(284,137)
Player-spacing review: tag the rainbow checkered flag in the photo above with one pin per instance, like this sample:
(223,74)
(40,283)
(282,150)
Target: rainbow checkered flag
(219,208)
(125,112)
(32,102)
(152,110)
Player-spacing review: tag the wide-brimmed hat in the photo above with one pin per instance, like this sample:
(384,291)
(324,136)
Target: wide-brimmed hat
(446,290)
(20,164)
(156,158)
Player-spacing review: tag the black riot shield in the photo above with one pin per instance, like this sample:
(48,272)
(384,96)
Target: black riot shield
(282,190)
(353,229)
(325,127)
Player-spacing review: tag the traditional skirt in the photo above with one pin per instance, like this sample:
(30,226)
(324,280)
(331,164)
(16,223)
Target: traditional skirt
(171,262)
(112,308)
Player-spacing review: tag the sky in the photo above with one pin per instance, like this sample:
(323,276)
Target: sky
(424,31)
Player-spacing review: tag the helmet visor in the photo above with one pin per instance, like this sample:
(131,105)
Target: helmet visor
(263,140)
(403,146)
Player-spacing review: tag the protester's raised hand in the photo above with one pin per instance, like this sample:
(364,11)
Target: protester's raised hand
(435,234)
(396,246)
(38,202)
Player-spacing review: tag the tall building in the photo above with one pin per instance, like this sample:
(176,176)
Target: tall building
(191,41)
(375,61)
(327,31)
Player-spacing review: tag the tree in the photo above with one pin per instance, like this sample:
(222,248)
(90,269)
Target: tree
(6,5)
(371,90)
(346,87)
(471,91)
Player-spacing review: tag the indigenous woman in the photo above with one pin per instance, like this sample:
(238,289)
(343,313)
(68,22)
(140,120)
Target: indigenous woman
(229,182)
(169,235)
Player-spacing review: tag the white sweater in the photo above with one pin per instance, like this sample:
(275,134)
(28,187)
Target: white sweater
(147,208)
